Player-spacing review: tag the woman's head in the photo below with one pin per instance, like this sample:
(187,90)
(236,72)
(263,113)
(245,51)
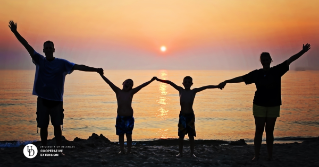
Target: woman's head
(265,59)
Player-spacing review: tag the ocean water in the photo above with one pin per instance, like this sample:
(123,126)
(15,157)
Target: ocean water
(90,105)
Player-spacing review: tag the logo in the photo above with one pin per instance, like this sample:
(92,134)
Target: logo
(30,151)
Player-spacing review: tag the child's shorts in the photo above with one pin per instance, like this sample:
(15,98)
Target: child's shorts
(186,125)
(46,108)
(261,111)
(124,124)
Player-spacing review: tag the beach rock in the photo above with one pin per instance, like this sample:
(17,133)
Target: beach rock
(104,138)
(96,137)
(62,139)
(78,139)
(239,142)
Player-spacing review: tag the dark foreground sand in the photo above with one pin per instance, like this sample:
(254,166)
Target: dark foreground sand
(99,151)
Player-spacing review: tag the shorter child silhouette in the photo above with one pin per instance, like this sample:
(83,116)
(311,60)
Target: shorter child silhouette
(125,119)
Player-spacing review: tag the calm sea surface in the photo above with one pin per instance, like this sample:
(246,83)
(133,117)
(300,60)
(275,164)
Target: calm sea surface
(90,105)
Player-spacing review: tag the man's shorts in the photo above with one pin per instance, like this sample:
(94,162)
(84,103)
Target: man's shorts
(46,108)
(186,125)
(261,111)
(124,124)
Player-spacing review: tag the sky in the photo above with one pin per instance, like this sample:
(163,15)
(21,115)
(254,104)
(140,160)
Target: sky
(128,34)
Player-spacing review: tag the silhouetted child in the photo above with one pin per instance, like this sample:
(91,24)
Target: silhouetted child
(125,119)
(186,124)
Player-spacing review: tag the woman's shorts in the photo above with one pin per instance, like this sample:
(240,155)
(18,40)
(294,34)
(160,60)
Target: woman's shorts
(261,111)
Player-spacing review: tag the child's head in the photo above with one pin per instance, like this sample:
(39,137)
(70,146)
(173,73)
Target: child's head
(127,84)
(187,82)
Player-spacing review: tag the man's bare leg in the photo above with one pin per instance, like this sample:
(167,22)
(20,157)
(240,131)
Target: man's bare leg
(58,137)
(44,135)
(191,143)
(58,134)
(270,126)
(180,143)
(129,142)
(121,141)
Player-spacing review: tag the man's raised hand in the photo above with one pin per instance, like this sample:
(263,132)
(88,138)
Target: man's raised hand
(13,26)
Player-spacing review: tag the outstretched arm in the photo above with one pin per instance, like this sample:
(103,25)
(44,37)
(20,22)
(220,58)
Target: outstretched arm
(114,88)
(13,27)
(86,68)
(234,80)
(206,87)
(171,83)
(135,90)
(305,48)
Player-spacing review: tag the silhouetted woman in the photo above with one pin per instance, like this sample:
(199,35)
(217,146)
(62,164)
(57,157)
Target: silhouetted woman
(267,100)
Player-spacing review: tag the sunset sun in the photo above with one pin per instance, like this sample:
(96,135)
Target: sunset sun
(163,48)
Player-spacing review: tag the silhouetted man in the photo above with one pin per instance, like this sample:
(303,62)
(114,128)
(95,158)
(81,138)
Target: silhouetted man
(49,85)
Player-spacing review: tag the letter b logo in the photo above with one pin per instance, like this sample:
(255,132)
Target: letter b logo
(30,151)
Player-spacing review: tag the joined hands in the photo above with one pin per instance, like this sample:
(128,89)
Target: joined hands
(222,85)
(100,71)
(154,78)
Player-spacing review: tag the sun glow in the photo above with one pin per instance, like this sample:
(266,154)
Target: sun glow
(163,48)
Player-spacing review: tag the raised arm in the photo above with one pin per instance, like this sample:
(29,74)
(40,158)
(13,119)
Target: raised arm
(114,88)
(171,83)
(305,48)
(135,90)
(206,87)
(88,69)
(13,27)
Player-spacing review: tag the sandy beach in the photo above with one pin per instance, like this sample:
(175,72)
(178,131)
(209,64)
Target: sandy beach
(97,150)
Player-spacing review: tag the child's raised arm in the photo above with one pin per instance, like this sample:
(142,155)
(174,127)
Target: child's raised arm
(114,88)
(206,87)
(171,83)
(138,88)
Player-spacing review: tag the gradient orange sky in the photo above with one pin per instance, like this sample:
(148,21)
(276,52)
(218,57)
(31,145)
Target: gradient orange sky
(128,34)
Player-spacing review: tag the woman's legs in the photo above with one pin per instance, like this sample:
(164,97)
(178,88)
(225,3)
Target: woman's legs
(260,124)
(270,125)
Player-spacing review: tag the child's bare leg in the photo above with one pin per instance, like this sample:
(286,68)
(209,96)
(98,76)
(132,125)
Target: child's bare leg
(129,142)
(44,135)
(121,141)
(191,143)
(180,142)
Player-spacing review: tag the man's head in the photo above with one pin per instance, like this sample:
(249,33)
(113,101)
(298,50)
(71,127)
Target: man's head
(187,82)
(48,48)
(265,59)
(128,84)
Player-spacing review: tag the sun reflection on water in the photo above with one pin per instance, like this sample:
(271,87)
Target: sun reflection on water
(163,101)
(163,133)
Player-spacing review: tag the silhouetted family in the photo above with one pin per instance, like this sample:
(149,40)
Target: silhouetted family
(49,87)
